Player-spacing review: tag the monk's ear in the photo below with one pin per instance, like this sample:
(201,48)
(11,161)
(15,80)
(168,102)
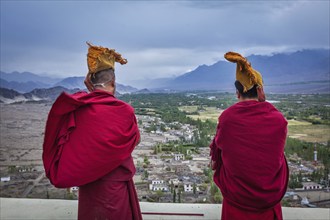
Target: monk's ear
(113,83)
(238,94)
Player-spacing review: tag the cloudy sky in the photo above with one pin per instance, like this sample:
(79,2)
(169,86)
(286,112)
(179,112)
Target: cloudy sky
(159,38)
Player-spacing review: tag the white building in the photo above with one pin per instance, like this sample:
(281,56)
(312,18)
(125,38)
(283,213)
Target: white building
(175,181)
(153,182)
(74,189)
(188,187)
(188,137)
(157,185)
(178,157)
(5,179)
(311,185)
(160,187)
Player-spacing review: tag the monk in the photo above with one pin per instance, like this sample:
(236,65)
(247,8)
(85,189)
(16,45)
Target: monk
(247,151)
(89,140)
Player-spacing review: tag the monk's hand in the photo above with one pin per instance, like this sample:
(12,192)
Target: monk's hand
(88,83)
(212,164)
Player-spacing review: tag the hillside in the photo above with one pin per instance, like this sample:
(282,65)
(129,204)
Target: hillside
(26,82)
(301,71)
(37,95)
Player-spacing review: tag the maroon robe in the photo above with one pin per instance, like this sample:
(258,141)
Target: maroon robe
(248,157)
(88,142)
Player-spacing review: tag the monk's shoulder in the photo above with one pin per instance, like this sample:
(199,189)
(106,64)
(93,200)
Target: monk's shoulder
(270,107)
(228,113)
(275,112)
(125,106)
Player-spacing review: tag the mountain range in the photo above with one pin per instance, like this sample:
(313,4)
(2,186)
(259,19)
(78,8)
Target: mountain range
(305,71)
(26,82)
(36,95)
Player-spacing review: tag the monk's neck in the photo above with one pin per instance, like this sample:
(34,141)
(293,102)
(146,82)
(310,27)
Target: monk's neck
(109,90)
(247,99)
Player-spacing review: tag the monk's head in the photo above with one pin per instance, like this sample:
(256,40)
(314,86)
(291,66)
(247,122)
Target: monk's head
(101,65)
(105,80)
(247,78)
(247,95)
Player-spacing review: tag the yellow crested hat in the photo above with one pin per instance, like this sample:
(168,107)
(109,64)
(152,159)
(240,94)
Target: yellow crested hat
(245,74)
(101,58)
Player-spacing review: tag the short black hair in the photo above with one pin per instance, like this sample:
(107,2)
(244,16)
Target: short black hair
(251,93)
(103,76)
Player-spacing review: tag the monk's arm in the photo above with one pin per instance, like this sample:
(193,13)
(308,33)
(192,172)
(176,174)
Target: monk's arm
(215,151)
(88,83)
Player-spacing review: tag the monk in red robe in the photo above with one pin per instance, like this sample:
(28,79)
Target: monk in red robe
(248,151)
(89,140)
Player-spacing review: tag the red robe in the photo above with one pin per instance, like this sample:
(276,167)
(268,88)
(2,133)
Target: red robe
(88,142)
(248,155)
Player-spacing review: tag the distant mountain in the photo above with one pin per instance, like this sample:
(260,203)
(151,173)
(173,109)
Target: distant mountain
(26,82)
(219,76)
(27,77)
(78,82)
(142,91)
(22,86)
(122,89)
(72,83)
(281,72)
(37,95)
(48,94)
(305,71)
(9,93)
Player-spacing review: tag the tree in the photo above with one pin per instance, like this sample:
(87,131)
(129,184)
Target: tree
(12,169)
(146,174)
(174,196)
(146,161)
(162,127)
(194,188)
(217,197)
(159,194)
(179,196)
(214,189)
(294,181)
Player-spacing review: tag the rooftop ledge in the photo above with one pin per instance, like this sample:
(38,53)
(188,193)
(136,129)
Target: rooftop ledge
(14,208)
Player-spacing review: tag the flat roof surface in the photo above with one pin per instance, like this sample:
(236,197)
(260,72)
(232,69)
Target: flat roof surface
(16,208)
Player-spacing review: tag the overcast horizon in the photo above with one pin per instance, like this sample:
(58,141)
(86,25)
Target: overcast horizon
(160,39)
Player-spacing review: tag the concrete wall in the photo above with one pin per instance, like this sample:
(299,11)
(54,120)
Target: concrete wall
(37,209)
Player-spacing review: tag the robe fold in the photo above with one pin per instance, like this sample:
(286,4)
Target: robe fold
(88,140)
(249,162)
(115,197)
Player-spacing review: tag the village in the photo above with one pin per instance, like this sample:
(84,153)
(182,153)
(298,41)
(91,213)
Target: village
(170,175)
(169,168)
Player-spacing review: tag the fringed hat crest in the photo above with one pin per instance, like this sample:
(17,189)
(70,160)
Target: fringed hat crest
(101,58)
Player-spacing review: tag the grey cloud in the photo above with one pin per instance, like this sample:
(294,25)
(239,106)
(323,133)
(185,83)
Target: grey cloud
(54,32)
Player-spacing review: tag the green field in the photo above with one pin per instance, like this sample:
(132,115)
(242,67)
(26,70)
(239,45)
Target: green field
(301,130)
(211,113)
(308,132)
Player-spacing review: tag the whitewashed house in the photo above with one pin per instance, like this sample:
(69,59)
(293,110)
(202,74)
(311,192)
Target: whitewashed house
(157,185)
(188,187)
(74,189)
(311,186)
(175,181)
(160,187)
(5,179)
(178,157)
(153,182)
